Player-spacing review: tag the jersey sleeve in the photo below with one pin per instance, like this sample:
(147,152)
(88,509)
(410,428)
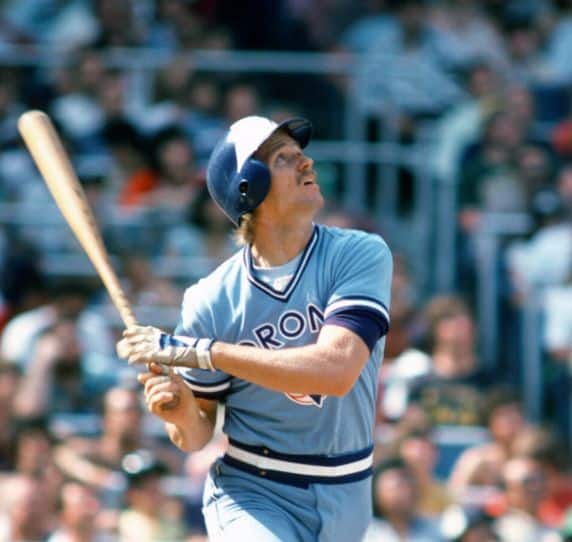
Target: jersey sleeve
(360,294)
(197,320)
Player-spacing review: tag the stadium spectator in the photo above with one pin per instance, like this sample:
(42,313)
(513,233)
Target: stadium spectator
(467,524)
(144,287)
(25,515)
(559,46)
(179,178)
(32,457)
(77,518)
(472,35)
(545,258)
(525,488)
(521,24)
(451,392)
(150,515)
(206,234)
(548,448)
(97,461)
(166,105)
(535,168)
(396,514)
(117,25)
(375,21)
(478,471)
(131,174)
(413,36)
(52,380)
(202,120)
(65,298)
(488,181)
(420,452)
(76,106)
(460,126)
(241,100)
(175,27)
(67,25)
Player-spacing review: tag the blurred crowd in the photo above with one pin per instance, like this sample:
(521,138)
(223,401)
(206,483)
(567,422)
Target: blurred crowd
(486,85)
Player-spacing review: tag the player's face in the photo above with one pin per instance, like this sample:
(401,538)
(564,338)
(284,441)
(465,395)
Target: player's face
(294,191)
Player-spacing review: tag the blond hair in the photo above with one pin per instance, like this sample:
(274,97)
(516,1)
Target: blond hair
(244,234)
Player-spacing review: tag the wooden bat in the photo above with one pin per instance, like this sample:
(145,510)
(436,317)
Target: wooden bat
(52,160)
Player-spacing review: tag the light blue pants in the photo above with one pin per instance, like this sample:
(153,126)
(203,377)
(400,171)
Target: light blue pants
(242,507)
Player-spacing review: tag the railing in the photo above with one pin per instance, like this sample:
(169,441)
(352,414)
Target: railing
(527,371)
(532,358)
(495,228)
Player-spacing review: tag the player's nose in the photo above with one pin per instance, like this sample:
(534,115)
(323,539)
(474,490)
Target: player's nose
(306,163)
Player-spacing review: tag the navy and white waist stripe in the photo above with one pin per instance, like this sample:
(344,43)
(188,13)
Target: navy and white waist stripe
(299,470)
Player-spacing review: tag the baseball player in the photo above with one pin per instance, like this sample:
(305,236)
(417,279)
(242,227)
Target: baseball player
(288,334)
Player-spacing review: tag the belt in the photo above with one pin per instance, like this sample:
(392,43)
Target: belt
(299,470)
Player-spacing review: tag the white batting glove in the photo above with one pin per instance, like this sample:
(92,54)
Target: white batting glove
(147,344)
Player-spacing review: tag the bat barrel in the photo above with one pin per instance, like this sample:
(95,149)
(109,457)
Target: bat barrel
(50,156)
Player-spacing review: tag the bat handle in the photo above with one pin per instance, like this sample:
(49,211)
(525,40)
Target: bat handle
(127,316)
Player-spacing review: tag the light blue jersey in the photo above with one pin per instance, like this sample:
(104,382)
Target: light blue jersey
(319,439)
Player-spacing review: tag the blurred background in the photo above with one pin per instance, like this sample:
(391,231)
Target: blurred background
(443,125)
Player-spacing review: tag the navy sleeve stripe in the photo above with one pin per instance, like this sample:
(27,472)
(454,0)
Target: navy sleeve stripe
(367,324)
(370,305)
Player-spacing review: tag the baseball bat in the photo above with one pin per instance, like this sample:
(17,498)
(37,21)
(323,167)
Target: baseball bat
(52,160)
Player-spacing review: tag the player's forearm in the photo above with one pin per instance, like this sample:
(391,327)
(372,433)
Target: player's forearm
(312,369)
(331,366)
(193,433)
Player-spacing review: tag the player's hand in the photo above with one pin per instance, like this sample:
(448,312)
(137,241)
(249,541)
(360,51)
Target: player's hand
(147,344)
(166,395)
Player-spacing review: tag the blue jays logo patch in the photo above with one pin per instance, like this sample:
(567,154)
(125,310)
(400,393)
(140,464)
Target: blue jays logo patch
(306,400)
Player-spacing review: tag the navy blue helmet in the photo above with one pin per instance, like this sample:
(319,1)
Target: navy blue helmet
(237,182)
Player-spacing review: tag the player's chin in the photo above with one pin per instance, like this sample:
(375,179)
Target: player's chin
(317,198)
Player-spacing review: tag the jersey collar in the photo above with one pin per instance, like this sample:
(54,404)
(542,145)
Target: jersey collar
(266,288)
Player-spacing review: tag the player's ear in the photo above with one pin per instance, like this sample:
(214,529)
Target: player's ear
(252,184)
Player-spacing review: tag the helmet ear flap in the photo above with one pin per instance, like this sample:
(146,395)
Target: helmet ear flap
(253,185)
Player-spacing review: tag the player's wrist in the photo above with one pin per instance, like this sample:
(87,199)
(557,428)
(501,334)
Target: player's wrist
(203,354)
(188,351)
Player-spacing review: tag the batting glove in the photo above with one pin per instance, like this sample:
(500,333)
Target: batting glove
(147,344)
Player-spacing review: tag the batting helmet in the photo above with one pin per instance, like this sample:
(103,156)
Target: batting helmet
(237,182)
